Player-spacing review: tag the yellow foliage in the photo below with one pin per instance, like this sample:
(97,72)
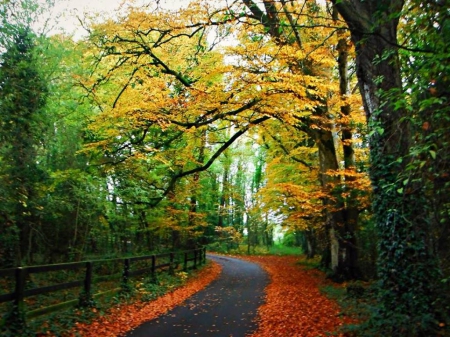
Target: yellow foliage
(163,96)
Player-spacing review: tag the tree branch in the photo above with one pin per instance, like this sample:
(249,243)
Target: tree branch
(207,165)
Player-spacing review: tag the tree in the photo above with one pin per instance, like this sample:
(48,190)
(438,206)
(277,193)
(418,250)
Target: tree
(23,95)
(407,266)
(293,192)
(167,119)
(300,37)
(140,53)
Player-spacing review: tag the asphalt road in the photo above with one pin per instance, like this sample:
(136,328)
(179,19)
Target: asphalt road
(225,308)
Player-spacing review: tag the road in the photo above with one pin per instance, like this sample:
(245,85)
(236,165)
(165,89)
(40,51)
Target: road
(225,308)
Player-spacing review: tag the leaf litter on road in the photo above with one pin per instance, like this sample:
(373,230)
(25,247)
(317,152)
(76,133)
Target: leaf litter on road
(294,305)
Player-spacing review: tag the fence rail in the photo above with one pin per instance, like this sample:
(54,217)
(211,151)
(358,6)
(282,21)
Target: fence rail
(168,261)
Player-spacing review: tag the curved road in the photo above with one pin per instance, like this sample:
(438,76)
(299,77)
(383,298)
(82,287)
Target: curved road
(225,308)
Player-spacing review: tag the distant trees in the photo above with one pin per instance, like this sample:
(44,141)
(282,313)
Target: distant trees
(48,202)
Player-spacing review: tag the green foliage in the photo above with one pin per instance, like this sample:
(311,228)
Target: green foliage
(367,238)
(356,300)
(149,288)
(427,81)
(151,291)
(422,183)
(22,98)
(218,247)
(86,300)
(407,269)
(15,323)
(411,299)
(276,249)
(289,239)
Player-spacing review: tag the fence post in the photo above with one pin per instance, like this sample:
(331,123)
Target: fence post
(204,254)
(153,275)
(20,286)
(185,261)
(126,270)
(171,269)
(86,296)
(17,317)
(88,278)
(125,276)
(195,259)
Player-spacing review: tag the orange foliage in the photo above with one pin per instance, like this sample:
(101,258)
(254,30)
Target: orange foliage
(294,304)
(125,317)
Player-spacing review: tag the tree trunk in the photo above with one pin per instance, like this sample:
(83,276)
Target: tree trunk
(341,247)
(196,181)
(310,243)
(223,197)
(351,212)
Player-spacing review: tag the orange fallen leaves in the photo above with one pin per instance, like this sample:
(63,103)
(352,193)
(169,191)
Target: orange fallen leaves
(294,306)
(125,317)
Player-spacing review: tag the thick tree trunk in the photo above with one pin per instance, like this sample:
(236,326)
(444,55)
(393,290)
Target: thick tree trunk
(351,212)
(343,251)
(310,243)
(406,265)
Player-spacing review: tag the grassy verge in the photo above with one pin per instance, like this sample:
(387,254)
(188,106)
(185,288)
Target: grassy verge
(242,249)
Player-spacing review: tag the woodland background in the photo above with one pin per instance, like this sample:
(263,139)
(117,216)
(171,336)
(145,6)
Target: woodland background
(223,123)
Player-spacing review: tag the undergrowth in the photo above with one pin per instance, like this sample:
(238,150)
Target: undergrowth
(357,300)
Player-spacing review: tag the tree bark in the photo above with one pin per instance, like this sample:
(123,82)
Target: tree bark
(342,247)
(351,211)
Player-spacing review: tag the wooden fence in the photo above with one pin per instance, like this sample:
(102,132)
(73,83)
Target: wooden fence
(170,262)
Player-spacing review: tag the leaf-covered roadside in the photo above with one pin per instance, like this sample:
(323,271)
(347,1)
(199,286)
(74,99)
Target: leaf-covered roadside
(125,317)
(294,304)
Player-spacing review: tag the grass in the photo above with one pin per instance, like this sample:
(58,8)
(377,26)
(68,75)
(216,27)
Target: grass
(242,249)
(285,250)
(308,264)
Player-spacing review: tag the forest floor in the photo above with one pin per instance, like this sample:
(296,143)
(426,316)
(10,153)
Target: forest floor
(293,303)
